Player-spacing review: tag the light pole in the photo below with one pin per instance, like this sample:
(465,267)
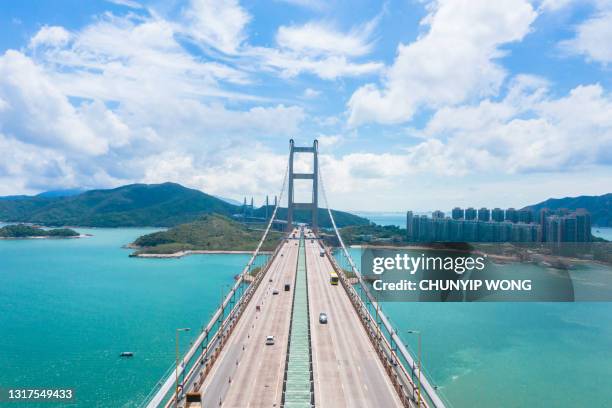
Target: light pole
(184,329)
(418,333)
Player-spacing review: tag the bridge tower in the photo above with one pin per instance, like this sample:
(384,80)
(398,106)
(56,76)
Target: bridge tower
(313,206)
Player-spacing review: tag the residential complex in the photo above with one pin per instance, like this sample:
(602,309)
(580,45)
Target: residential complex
(497,225)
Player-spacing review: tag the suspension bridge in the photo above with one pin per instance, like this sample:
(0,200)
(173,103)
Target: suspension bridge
(267,345)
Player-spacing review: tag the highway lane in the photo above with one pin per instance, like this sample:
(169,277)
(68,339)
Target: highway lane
(347,370)
(248,373)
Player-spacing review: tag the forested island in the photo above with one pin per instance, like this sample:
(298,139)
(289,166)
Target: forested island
(28,231)
(212,232)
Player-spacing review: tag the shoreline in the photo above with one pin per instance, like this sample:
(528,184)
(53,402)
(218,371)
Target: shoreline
(188,252)
(46,237)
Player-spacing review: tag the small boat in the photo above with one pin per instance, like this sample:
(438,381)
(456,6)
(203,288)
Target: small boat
(127,354)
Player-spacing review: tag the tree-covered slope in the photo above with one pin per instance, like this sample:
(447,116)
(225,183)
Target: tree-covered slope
(159,205)
(27,231)
(166,204)
(210,232)
(600,207)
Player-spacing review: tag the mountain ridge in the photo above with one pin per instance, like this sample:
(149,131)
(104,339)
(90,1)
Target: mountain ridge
(600,207)
(134,205)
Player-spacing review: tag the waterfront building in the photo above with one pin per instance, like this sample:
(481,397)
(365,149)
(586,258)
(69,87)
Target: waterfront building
(484,214)
(556,227)
(458,213)
(409,226)
(437,214)
(497,215)
(511,215)
(525,215)
(470,213)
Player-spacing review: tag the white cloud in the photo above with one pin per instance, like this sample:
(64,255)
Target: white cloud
(528,131)
(452,62)
(127,3)
(37,112)
(217,23)
(593,38)
(317,38)
(310,93)
(51,36)
(321,49)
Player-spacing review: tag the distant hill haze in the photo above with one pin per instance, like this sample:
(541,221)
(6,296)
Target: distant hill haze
(135,205)
(600,207)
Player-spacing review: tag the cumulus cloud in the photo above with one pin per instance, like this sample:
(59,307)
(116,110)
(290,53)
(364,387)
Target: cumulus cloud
(219,24)
(593,38)
(35,111)
(317,38)
(452,62)
(51,36)
(528,131)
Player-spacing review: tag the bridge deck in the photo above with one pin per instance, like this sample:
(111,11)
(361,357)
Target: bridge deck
(347,370)
(249,373)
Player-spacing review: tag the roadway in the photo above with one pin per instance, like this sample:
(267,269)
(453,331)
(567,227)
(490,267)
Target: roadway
(347,370)
(249,373)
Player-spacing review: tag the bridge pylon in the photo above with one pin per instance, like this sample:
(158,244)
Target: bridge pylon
(312,206)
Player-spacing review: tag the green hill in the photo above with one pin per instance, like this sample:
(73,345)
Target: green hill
(27,231)
(600,207)
(342,218)
(162,205)
(136,205)
(210,232)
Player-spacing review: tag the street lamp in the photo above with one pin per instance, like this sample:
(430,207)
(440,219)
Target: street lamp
(184,329)
(418,333)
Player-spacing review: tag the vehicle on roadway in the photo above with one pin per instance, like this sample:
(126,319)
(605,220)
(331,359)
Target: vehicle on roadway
(322,253)
(269,340)
(287,287)
(193,400)
(322,318)
(333,278)
(275,292)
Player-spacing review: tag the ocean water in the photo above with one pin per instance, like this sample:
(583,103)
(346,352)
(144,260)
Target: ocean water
(511,354)
(69,307)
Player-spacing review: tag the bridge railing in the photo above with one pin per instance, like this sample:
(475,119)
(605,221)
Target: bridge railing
(398,361)
(196,363)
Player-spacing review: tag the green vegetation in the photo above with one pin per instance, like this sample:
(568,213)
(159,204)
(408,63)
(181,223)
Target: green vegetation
(210,232)
(600,207)
(373,234)
(26,231)
(159,205)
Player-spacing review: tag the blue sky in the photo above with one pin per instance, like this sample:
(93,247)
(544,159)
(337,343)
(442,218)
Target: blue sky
(417,104)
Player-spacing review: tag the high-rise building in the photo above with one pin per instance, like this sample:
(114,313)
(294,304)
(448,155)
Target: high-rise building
(525,215)
(437,214)
(409,226)
(511,215)
(470,213)
(458,213)
(497,215)
(484,214)
(583,225)
(543,216)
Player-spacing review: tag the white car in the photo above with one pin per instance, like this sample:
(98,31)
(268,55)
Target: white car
(322,318)
(269,340)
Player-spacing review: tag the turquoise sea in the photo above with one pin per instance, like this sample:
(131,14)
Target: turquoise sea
(69,307)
